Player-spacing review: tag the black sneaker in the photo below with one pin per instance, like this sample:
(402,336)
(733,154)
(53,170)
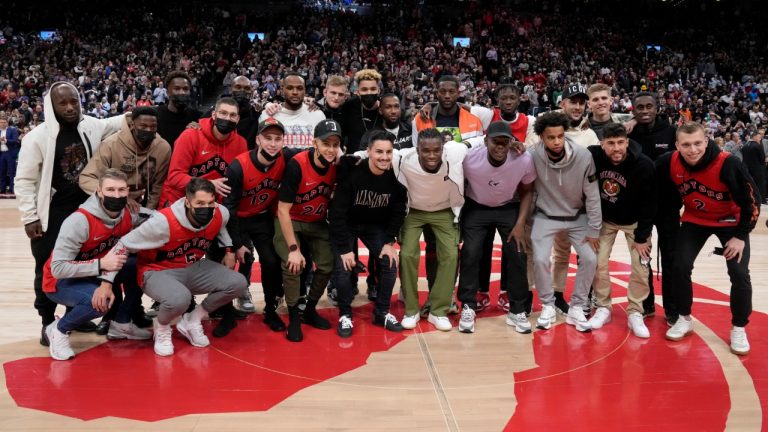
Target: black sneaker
(560,304)
(273,321)
(141,320)
(44,337)
(224,327)
(103,327)
(425,310)
(344,328)
(86,327)
(372,292)
(387,321)
(219,314)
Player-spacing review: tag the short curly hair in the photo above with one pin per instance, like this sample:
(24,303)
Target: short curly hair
(367,75)
(550,119)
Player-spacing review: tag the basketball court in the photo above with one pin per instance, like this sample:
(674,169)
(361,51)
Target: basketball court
(494,379)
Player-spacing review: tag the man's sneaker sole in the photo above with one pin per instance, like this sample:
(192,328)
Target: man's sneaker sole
(467,329)
(577,325)
(521,330)
(675,339)
(739,353)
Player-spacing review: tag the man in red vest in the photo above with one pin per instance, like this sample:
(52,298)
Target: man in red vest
(719,197)
(171,267)
(255,179)
(304,194)
(73,275)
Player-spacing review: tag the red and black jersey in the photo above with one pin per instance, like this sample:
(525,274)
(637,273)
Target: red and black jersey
(314,191)
(184,246)
(706,198)
(101,239)
(260,189)
(519,127)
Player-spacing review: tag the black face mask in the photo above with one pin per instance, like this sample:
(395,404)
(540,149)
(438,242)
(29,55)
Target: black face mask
(114,204)
(203,215)
(323,161)
(225,126)
(369,100)
(242,98)
(180,101)
(267,156)
(144,138)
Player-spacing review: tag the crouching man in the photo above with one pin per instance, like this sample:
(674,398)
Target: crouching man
(171,267)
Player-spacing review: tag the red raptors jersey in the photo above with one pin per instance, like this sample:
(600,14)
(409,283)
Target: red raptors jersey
(100,240)
(314,191)
(259,188)
(519,127)
(706,198)
(184,246)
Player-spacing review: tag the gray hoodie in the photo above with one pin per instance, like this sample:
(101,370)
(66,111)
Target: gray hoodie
(155,232)
(74,232)
(566,187)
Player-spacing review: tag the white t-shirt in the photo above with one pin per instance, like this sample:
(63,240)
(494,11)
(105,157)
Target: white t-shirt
(299,125)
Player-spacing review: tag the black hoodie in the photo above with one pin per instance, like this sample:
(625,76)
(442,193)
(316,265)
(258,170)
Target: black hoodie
(733,175)
(627,190)
(656,140)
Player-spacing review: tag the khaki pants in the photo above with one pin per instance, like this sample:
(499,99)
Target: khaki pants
(315,234)
(638,280)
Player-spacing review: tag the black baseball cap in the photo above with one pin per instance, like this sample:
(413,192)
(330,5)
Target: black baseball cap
(270,122)
(327,128)
(499,128)
(574,90)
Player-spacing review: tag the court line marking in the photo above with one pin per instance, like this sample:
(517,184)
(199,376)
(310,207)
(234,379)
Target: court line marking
(437,384)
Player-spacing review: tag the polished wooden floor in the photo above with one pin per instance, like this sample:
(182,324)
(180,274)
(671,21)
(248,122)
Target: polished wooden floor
(425,380)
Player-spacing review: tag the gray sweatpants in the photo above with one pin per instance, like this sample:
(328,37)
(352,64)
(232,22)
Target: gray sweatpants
(174,289)
(542,237)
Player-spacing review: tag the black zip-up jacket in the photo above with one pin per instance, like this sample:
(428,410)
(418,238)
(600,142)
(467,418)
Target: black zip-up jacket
(627,192)
(733,174)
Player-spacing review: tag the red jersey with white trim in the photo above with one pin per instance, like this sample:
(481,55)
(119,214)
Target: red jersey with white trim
(184,246)
(260,189)
(101,239)
(314,191)
(519,127)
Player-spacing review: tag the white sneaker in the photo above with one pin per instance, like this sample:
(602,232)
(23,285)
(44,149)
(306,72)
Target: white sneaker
(163,343)
(519,322)
(547,317)
(193,331)
(127,331)
(441,323)
(739,342)
(245,303)
(636,324)
(409,321)
(682,328)
(467,320)
(577,319)
(601,317)
(58,342)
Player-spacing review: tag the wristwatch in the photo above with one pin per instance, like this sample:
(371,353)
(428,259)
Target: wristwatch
(293,248)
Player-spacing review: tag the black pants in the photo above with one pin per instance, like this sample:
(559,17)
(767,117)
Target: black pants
(41,251)
(486,264)
(690,240)
(667,230)
(373,239)
(476,223)
(258,232)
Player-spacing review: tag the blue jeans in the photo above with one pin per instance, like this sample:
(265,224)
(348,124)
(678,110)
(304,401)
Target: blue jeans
(77,293)
(373,238)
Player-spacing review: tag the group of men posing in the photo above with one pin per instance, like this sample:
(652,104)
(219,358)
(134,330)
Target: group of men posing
(134,214)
